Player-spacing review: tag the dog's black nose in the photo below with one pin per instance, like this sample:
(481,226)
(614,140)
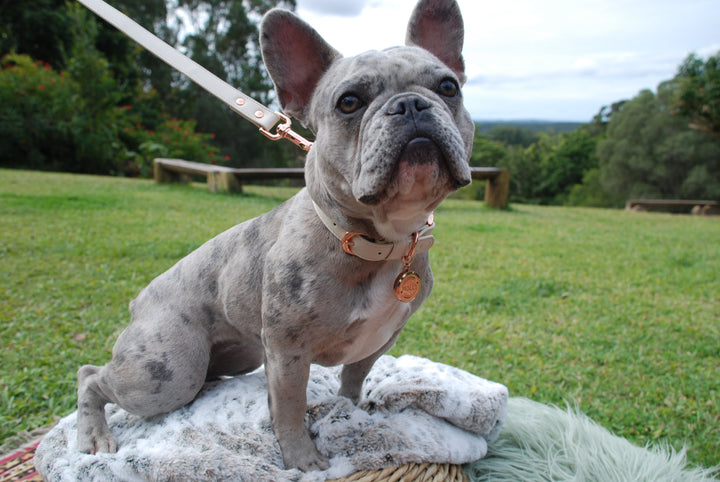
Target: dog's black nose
(407,104)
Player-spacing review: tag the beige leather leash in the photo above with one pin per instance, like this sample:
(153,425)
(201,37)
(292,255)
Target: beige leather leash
(266,119)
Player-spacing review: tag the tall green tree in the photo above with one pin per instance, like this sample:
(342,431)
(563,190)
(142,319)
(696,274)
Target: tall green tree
(698,94)
(544,166)
(222,35)
(598,126)
(38,28)
(564,162)
(651,153)
(487,152)
(43,29)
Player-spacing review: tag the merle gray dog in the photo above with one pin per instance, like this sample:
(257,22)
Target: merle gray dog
(332,275)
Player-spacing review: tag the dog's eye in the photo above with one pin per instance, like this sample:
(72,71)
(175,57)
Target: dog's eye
(448,88)
(349,103)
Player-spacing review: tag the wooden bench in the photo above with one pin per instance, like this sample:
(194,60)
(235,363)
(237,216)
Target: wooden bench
(697,206)
(497,188)
(228,179)
(219,178)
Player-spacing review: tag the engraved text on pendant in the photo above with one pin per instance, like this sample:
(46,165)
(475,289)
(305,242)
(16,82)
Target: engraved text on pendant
(407,286)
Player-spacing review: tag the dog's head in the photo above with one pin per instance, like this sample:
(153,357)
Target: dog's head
(393,137)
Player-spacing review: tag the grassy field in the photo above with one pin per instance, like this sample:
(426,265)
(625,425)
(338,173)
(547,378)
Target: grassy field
(613,311)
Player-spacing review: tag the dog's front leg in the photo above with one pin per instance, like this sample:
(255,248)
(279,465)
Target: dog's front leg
(287,378)
(353,374)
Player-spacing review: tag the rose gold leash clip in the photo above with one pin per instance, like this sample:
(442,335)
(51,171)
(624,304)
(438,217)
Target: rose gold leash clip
(408,258)
(284,131)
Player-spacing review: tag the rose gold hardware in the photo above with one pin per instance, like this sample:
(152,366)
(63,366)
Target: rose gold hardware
(347,242)
(407,286)
(259,114)
(283,131)
(407,259)
(240,101)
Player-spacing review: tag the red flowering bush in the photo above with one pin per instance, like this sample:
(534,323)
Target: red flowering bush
(37,113)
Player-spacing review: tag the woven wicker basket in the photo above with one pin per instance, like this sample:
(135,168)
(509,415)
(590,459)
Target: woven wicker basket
(426,472)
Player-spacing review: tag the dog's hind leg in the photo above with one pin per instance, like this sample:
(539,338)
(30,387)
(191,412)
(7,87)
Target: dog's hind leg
(93,432)
(149,374)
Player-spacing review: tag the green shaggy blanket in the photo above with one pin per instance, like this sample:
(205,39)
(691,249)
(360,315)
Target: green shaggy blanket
(543,443)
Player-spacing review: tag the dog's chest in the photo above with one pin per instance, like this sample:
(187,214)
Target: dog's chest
(373,323)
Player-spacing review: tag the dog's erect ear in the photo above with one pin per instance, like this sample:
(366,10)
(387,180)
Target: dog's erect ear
(296,56)
(437,26)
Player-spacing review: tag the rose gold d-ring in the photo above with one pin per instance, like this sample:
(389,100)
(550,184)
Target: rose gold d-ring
(347,242)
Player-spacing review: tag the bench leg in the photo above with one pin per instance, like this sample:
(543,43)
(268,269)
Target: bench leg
(497,191)
(705,210)
(162,175)
(223,182)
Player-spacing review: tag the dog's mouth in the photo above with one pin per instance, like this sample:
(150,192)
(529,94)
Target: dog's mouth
(420,168)
(421,173)
(421,150)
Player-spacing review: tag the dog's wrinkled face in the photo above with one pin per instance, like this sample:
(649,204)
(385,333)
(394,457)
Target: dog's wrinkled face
(393,137)
(407,135)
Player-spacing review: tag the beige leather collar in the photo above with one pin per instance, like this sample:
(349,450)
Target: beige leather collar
(358,245)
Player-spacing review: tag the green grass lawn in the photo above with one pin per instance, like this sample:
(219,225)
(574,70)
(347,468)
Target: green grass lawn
(615,312)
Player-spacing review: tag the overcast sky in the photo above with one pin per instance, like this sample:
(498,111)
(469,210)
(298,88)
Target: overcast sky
(548,60)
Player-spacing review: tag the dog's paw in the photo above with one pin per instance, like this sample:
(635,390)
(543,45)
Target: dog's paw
(352,394)
(305,457)
(92,443)
(313,461)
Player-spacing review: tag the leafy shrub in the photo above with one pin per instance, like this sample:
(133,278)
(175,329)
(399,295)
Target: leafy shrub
(37,113)
(172,139)
(590,192)
(52,121)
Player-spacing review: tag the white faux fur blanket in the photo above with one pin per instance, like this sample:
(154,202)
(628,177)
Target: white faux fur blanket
(412,410)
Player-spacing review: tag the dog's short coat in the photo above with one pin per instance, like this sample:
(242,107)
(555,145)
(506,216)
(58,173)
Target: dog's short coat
(392,141)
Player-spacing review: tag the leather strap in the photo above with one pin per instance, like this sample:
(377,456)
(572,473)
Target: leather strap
(247,107)
(358,245)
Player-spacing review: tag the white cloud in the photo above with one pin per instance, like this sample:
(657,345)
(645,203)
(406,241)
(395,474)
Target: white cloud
(333,7)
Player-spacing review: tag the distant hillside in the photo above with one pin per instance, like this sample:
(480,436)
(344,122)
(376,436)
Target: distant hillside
(531,125)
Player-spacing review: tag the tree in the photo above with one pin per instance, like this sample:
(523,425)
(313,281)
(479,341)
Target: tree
(486,152)
(598,126)
(513,136)
(698,94)
(590,192)
(564,162)
(544,166)
(223,37)
(38,28)
(42,29)
(113,74)
(649,152)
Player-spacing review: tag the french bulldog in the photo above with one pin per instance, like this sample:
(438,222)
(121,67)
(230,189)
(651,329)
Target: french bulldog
(332,275)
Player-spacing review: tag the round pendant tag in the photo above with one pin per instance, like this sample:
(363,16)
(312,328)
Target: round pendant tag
(407,286)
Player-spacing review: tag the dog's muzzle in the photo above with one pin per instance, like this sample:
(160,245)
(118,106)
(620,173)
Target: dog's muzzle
(410,130)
